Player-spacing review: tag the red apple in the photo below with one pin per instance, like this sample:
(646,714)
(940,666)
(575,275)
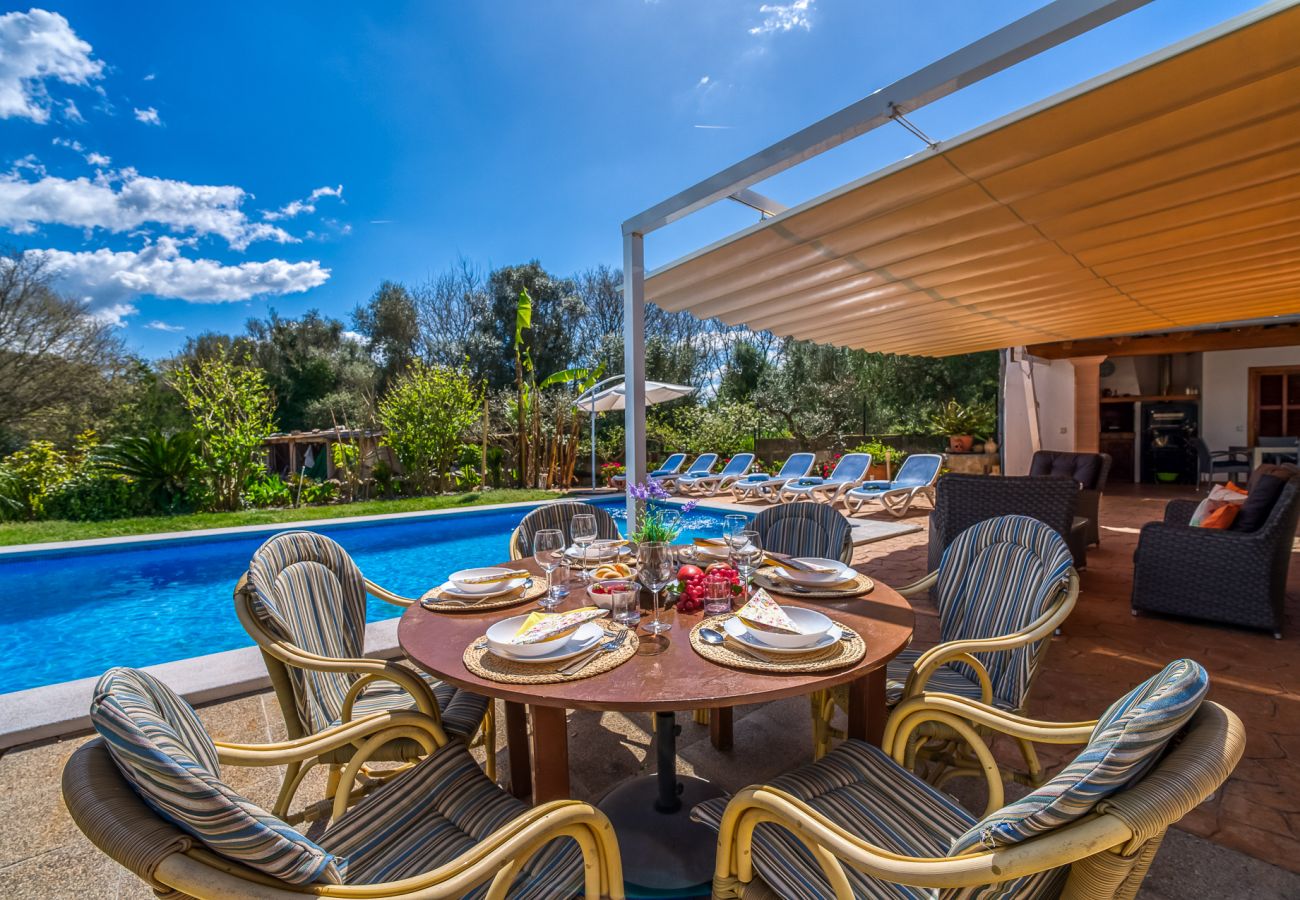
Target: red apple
(687,572)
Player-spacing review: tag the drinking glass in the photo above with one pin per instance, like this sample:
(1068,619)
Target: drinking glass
(548,551)
(656,570)
(717,595)
(748,554)
(583,528)
(623,605)
(732,528)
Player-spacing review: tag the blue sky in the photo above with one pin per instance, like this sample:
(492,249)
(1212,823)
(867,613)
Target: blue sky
(186,166)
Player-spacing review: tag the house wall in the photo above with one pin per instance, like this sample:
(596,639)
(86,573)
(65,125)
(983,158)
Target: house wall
(1054,393)
(1224,391)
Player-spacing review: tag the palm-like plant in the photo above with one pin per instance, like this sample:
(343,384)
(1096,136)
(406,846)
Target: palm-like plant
(160,464)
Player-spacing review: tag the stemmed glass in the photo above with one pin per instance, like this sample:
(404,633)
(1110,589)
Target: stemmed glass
(748,554)
(548,551)
(733,527)
(583,528)
(655,571)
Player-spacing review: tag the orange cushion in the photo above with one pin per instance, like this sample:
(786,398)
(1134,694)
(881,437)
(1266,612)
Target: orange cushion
(1222,517)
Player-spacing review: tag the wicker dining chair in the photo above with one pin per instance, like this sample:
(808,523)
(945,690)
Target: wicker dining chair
(1003,587)
(806,529)
(859,824)
(303,602)
(150,792)
(559,515)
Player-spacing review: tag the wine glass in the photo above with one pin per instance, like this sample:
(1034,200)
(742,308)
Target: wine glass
(733,527)
(748,554)
(583,528)
(548,551)
(655,571)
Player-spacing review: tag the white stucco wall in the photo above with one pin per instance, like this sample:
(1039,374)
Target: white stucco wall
(1054,392)
(1224,390)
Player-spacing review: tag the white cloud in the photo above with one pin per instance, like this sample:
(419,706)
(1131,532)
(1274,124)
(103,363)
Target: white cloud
(124,200)
(71,145)
(355,337)
(158,325)
(98,159)
(31,163)
(781,17)
(150,77)
(148,116)
(298,207)
(71,113)
(115,314)
(110,279)
(37,46)
(714,127)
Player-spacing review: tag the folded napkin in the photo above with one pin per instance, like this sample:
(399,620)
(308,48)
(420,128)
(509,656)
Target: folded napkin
(512,575)
(541,626)
(710,542)
(804,565)
(765,614)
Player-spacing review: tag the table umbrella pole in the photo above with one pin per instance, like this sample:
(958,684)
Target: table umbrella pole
(593,446)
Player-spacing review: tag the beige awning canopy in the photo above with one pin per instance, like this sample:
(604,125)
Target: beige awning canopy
(1163,195)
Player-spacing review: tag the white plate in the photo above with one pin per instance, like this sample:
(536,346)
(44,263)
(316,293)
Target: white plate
(596,553)
(738,630)
(842,573)
(456,593)
(587,636)
(722,552)
(491,589)
(811,625)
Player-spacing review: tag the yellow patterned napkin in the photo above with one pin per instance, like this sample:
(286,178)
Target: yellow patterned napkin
(764,614)
(542,626)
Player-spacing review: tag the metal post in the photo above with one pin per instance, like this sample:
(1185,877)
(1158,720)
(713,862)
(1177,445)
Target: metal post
(668,797)
(634,364)
(593,444)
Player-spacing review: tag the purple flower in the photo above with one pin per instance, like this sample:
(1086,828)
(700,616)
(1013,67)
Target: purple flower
(638,491)
(689,507)
(650,490)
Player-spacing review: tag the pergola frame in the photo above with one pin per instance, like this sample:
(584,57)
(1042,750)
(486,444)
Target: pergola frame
(1053,24)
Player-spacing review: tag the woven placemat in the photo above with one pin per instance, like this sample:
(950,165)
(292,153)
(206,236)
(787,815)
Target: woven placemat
(766,577)
(486,664)
(436,602)
(843,653)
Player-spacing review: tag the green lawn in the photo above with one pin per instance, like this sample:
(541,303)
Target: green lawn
(40,532)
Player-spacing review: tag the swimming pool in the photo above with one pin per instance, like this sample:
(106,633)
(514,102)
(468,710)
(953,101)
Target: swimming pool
(74,613)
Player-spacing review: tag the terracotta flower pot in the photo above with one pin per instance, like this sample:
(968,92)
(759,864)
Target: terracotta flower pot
(960,443)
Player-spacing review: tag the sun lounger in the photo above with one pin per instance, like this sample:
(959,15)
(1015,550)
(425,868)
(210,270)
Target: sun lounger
(915,478)
(759,485)
(733,471)
(672,465)
(849,472)
(703,463)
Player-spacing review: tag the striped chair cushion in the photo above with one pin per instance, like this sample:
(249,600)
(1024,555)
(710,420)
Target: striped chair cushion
(995,579)
(461,711)
(432,814)
(804,529)
(947,679)
(308,592)
(1128,740)
(559,515)
(162,749)
(860,789)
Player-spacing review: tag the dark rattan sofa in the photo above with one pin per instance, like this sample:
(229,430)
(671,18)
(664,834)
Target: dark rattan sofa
(965,500)
(1090,470)
(1236,577)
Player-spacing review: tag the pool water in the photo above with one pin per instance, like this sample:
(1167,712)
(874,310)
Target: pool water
(73,614)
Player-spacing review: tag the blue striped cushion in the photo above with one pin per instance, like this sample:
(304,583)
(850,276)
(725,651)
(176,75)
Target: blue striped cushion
(1128,740)
(805,529)
(161,748)
(946,679)
(432,814)
(461,711)
(560,515)
(860,789)
(308,591)
(995,579)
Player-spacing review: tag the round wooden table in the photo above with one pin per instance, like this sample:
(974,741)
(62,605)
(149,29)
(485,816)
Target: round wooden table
(676,678)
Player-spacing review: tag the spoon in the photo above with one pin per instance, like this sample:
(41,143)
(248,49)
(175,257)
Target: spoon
(710,636)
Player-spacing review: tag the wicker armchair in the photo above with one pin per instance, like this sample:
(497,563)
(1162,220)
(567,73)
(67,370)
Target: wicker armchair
(860,824)
(1004,586)
(1090,470)
(965,500)
(1233,577)
(303,602)
(440,829)
(559,515)
(804,529)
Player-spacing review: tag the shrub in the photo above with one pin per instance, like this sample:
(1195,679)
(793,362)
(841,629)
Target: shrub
(610,469)
(160,466)
(264,490)
(95,495)
(424,415)
(877,449)
(320,491)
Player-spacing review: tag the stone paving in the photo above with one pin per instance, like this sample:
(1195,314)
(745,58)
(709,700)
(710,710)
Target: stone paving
(1244,842)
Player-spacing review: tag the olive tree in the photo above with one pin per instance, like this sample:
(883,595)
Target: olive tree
(231,409)
(424,414)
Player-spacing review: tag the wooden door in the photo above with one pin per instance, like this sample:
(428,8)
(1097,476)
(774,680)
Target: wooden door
(1274,402)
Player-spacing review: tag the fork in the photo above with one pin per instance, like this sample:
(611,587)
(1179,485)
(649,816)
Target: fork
(608,647)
